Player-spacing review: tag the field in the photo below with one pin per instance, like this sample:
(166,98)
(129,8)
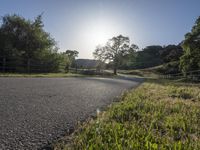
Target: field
(157,115)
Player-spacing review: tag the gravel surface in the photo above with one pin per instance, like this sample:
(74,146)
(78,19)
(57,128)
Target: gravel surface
(36,111)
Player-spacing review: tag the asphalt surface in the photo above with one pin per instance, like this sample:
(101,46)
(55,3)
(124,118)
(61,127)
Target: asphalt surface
(36,111)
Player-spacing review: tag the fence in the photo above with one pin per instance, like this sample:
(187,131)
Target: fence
(32,66)
(28,65)
(193,75)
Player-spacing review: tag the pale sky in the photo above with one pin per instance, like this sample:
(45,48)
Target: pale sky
(83,24)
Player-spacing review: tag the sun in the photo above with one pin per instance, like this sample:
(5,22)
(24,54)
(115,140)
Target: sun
(97,33)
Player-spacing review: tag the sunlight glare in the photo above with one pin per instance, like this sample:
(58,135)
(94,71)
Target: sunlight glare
(98,33)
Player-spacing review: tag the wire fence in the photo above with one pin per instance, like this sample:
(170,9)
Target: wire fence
(193,75)
(23,65)
(34,66)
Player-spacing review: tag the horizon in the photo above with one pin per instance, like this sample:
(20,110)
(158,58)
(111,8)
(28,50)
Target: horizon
(82,25)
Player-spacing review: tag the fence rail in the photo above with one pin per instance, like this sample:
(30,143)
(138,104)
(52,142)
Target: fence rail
(193,75)
(23,66)
(32,66)
(26,65)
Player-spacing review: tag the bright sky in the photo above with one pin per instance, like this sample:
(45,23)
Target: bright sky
(83,24)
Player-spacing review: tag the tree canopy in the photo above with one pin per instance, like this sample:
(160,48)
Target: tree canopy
(191,45)
(25,45)
(114,51)
(171,53)
(71,55)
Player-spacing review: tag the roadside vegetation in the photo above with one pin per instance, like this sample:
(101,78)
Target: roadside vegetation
(157,115)
(25,47)
(78,73)
(174,59)
(163,69)
(46,75)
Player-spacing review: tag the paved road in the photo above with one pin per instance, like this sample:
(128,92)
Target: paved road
(36,111)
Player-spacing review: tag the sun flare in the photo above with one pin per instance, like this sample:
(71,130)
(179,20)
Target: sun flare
(98,33)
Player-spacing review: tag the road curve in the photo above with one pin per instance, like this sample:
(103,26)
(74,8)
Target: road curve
(36,111)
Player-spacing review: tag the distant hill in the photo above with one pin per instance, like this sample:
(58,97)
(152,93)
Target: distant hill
(86,63)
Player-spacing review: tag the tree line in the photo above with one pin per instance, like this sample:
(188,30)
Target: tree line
(119,53)
(26,47)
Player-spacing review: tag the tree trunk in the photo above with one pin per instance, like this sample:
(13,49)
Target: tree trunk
(67,69)
(28,65)
(4,64)
(115,65)
(115,71)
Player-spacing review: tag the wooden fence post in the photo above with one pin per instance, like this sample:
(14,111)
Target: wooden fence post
(4,64)
(28,66)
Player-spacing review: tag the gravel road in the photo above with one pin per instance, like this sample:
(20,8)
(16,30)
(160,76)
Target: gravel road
(36,111)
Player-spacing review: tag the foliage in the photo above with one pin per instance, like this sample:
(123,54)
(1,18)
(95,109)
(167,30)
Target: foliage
(171,53)
(157,115)
(152,56)
(191,45)
(171,67)
(114,51)
(148,57)
(71,54)
(130,58)
(27,47)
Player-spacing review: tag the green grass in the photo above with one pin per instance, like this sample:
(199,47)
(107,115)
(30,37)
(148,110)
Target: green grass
(147,73)
(154,72)
(48,75)
(55,75)
(157,115)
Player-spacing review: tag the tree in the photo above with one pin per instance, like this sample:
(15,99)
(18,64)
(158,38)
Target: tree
(148,57)
(71,54)
(171,53)
(130,58)
(114,51)
(191,46)
(26,45)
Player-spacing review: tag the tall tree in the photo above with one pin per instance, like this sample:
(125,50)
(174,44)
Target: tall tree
(24,43)
(114,51)
(130,58)
(191,46)
(71,54)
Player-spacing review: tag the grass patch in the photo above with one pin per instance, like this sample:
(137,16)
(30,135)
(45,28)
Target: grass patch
(154,72)
(57,75)
(157,115)
(147,73)
(46,75)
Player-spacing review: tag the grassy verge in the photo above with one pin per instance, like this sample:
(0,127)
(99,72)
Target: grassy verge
(154,72)
(54,75)
(140,73)
(157,115)
(47,75)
